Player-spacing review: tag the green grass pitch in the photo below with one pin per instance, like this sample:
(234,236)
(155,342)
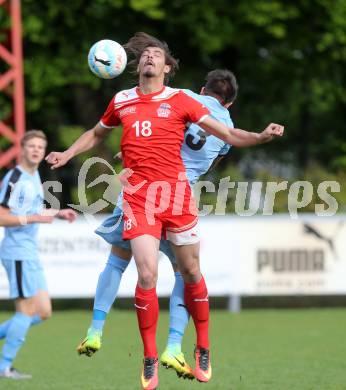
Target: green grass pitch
(255,350)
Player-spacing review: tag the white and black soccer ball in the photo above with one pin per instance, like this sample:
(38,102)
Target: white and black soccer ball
(107,59)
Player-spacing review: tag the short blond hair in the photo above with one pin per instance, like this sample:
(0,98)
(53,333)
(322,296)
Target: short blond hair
(32,134)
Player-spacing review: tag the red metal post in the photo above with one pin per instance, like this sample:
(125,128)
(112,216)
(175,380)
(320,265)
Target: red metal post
(12,83)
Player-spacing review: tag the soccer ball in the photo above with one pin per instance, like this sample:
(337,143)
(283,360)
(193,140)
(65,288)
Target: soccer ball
(107,59)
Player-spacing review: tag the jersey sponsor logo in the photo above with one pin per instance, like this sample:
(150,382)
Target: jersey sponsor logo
(164,110)
(127,111)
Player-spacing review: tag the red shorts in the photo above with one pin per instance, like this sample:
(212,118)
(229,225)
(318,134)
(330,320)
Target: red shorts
(160,208)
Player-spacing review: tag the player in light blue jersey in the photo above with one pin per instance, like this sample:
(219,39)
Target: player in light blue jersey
(9,220)
(199,151)
(21,201)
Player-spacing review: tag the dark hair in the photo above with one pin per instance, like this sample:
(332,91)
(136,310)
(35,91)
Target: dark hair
(140,41)
(222,84)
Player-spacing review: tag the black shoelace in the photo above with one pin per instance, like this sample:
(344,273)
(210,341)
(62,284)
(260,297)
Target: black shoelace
(149,367)
(204,359)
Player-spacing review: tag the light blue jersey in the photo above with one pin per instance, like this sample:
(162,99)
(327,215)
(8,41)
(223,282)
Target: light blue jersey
(200,149)
(22,193)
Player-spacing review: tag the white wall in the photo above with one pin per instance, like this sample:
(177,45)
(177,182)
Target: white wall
(239,255)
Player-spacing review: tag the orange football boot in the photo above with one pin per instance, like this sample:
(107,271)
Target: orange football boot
(149,377)
(203,367)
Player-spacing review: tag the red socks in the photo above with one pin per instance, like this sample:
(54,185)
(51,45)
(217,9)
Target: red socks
(147,307)
(197,303)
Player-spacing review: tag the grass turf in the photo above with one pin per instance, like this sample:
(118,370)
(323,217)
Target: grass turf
(255,350)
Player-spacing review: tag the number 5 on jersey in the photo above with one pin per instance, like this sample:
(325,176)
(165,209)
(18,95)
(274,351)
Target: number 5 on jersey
(142,128)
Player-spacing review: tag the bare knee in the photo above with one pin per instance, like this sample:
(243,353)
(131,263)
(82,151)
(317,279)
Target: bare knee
(45,314)
(43,305)
(28,311)
(145,250)
(191,273)
(124,254)
(187,257)
(26,306)
(190,269)
(147,279)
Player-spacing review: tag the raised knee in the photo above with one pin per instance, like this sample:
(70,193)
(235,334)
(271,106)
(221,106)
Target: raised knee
(45,315)
(28,311)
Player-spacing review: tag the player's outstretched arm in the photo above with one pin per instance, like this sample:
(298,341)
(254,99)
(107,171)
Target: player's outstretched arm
(85,142)
(68,214)
(9,220)
(238,137)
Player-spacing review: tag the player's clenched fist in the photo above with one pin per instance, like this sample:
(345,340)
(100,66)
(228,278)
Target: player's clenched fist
(57,159)
(271,131)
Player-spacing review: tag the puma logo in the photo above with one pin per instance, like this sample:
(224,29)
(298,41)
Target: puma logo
(142,307)
(328,240)
(201,299)
(104,62)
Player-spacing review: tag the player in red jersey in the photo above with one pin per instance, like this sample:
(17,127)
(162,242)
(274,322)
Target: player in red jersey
(157,196)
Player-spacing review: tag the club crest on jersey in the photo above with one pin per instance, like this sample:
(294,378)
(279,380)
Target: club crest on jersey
(164,110)
(127,111)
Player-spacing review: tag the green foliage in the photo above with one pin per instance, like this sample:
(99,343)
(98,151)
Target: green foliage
(150,8)
(313,174)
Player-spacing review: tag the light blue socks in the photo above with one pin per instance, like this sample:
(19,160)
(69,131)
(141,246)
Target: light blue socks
(107,289)
(15,336)
(178,315)
(35,320)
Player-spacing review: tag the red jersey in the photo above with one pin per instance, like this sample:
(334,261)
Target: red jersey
(153,130)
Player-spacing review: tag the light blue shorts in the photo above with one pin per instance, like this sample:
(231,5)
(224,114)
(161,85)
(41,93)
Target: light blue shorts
(26,277)
(111,230)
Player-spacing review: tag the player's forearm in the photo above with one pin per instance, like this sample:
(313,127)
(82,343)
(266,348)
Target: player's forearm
(244,138)
(9,220)
(236,137)
(84,143)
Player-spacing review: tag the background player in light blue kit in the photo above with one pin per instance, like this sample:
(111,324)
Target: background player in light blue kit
(199,151)
(21,195)
(9,220)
